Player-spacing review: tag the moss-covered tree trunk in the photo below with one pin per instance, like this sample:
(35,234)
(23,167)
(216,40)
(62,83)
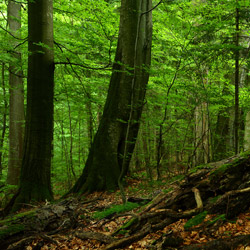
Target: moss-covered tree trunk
(35,181)
(121,117)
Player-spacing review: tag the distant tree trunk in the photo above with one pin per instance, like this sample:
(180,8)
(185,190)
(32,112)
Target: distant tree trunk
(246,136)
(236,95)
(90,126)
(16,109)
(201,147)
(247,132)
(115,139)
(35,183)
(222,133)
(146,149)
(4,121)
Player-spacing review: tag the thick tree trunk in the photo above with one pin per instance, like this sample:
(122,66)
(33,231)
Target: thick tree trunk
(35,181)
(117,132)
(16,116)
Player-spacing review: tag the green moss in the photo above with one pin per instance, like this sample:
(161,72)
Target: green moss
(196,220)
(115,210)
(124,228)
(11,230)
(165,191)
(245,154)
(214,199)
(178,178)
(130,223)
(220,170)
(15,217)
(202,166)
(221,217)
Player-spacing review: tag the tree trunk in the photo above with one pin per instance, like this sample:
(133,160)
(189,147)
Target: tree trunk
(236,95)
(117,132)
(35,183)
(4,119)
(202,152)
(16,109)
(221,143)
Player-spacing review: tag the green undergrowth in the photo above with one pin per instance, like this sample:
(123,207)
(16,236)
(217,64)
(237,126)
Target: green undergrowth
(199,218)
(116,209)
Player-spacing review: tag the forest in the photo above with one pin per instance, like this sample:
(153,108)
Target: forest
(125,124)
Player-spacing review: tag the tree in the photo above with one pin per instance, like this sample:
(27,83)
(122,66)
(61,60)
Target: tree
(4,121)
(16,102)
(236,94)
(35,183)
(113,145)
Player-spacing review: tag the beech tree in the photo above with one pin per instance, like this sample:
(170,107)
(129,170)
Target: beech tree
(114,142)
(16,102)
(35,183)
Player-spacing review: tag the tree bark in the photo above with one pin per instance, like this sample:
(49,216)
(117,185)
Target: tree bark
(35,183)
(4,119)
(16,109)
(222,132)
(237,72)
(115,139)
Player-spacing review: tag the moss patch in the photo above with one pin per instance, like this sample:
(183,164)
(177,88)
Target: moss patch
(15,217)
(115,210)
(11,230)
(196,220)
(220,170)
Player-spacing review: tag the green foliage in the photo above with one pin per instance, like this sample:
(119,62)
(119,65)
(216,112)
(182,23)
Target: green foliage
(6,193)
(196,220)
(115,210)
(220,217)
(192,63)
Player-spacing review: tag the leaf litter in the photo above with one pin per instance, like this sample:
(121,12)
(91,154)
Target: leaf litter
(201,233)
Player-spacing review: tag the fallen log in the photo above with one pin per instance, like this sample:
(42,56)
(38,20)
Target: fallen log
(49,218)
(220,244)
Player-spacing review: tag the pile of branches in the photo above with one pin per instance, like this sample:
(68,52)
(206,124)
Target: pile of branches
(217,188)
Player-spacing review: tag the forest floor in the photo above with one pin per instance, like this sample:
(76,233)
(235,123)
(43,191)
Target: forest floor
(208,208)
(89,219)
